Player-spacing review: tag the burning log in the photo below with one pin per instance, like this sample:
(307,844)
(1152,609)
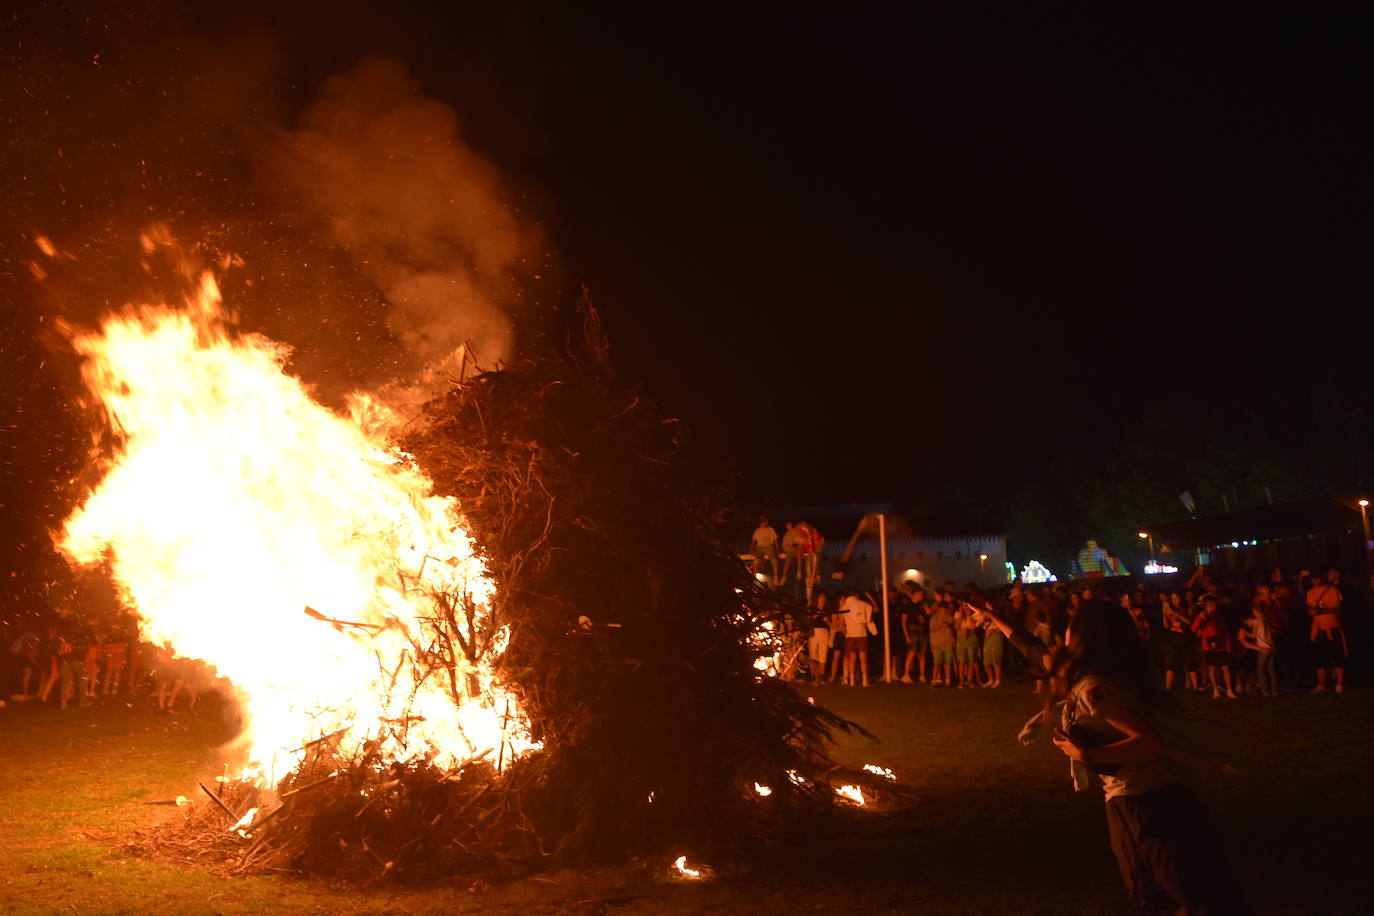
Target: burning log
(228,812)
(339,624)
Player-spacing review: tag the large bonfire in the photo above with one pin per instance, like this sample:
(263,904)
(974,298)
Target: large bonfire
(514,641)
(294,549)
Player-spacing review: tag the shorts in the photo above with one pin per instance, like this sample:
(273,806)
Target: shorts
(919,641)
(966,649)
(1329,648)
(766,552)
(992,651)
(943,656)
(1217,657)
(853,645)
(818,647)
(1179,654)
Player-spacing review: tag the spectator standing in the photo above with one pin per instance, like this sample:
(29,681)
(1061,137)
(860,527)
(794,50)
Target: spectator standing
(1179,649)
(1325,603)
(837,643)
(95,656)
(942,644)
(994,646)
(1258,635)
(25,649)
(818,645)
(966,650)
(916,625)
(858,626)
(1215,637)
(808,543)
(764,546)
(790,551)
(116,656)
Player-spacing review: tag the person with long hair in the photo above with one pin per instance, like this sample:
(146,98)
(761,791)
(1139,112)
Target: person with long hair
(1104,684)
(1257,635)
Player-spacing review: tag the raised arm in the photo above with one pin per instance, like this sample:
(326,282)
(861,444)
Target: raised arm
(1037,656)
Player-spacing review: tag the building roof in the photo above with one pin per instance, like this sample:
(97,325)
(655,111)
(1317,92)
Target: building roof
(838,521)
(1264,523)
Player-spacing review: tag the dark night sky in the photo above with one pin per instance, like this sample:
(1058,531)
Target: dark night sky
(878,258)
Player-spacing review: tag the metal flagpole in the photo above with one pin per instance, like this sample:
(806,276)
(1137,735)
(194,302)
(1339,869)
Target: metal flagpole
(887,619)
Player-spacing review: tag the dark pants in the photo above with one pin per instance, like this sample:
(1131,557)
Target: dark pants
(1169,854)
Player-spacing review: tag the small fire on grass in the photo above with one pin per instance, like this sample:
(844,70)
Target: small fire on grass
(884,772)
(682,868)
(851,793)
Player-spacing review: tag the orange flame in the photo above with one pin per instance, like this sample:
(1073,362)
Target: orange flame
(852,793)
(236,502)
(681,865)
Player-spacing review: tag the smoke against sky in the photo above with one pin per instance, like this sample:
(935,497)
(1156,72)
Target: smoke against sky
(384,173)
(370,237)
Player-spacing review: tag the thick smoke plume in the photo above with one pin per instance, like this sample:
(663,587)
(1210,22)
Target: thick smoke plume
(386,174)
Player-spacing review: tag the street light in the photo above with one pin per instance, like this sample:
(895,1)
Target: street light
(1364,519)
(1146,536)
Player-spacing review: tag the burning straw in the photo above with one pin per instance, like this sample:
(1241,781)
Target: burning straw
(633,637)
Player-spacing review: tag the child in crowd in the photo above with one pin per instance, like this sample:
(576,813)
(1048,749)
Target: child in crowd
(1179,649)
(966,651)
(1211,629)
(993,648)
(818,644)
(1257,635)
(942,644)
(916,625)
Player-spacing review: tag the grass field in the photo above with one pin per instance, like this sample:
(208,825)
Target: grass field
(995,828)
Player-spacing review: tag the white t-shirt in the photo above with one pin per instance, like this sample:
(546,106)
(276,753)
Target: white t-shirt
(1259,631)
(765,536)
(858,613)
(1091,702)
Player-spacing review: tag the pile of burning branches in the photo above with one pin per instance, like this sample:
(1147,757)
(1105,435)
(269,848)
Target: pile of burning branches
(627,631)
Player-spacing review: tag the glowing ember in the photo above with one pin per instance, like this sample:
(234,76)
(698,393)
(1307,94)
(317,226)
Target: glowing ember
(244,821)
(762,790)
(884,772)
(681,866)
(853,793)
(237,505)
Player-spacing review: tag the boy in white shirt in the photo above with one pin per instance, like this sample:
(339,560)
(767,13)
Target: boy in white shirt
(858,625)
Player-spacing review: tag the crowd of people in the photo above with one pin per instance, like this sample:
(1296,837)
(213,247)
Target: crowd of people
(54,658)
(1226,637)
